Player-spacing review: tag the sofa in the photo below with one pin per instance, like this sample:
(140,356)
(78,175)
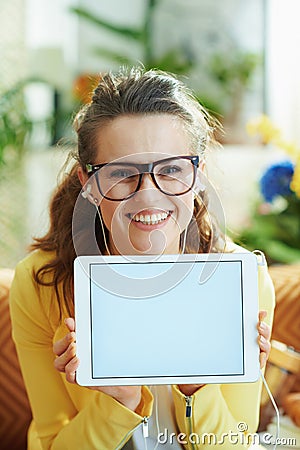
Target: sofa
(15,414)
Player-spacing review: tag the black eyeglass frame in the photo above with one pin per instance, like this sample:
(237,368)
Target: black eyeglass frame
(143,169)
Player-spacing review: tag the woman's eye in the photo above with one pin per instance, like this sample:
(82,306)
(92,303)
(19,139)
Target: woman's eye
(121,173)
(170,170)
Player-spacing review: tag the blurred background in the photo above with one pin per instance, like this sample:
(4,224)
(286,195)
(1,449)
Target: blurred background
(240,59)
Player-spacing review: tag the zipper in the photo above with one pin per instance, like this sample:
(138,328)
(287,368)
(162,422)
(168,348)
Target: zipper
(188,406)
(188,415)
(145,426)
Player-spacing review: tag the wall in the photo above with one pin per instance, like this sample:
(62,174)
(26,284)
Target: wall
(51,40)
(283,65)
(12,45)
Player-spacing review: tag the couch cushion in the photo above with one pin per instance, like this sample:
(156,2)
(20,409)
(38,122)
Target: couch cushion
(15,415)
(286,325)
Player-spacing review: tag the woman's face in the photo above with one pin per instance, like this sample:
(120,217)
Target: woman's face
(150,222)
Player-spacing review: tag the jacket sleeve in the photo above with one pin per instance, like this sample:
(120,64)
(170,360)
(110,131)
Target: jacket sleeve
(100,421)
(229,408)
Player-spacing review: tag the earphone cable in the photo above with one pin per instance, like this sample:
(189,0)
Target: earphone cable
(275,408)
(102,228)
(156,416)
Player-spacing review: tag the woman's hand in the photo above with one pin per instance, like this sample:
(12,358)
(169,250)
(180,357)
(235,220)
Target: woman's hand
(65,350)
(263,339)
(66,361)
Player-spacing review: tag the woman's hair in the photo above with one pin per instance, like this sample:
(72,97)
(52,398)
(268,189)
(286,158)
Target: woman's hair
(128,92)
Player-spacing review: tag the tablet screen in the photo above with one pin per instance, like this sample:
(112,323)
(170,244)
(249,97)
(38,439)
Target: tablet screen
(196,328)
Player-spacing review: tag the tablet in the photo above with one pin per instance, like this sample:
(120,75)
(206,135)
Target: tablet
(170,319)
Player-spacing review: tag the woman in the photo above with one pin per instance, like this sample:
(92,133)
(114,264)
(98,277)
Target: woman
(141,150)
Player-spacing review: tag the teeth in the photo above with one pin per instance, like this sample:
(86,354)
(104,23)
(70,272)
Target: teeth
(152,219)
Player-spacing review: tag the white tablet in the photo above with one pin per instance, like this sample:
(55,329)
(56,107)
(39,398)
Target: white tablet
(172,319)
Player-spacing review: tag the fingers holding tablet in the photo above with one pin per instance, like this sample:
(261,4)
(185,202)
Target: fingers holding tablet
(70,323)
(66,361)
(264,339)
(65,351)
(71,368)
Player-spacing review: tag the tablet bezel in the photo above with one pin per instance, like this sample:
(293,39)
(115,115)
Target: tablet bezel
(250,318)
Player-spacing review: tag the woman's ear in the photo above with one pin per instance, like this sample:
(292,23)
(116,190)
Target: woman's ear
(82,175)
(86,187)
(202,165)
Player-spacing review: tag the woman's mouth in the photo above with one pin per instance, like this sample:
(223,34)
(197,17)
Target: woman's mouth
(148,218)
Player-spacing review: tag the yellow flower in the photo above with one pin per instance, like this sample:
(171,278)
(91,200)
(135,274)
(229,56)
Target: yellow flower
(295,183)
(289,147)
(264,126)
(271,134)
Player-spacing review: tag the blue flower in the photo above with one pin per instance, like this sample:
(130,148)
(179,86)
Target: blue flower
(276,180)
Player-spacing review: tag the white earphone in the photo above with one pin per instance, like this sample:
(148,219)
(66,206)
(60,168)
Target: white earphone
(87,192)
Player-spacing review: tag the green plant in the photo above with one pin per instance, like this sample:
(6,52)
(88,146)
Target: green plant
(15,125)
(232,73)
(233,69)
(176,60)
(15,128)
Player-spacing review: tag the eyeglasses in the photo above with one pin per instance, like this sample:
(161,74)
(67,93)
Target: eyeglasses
(119,181)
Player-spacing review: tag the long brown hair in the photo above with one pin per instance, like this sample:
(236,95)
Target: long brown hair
(132,91)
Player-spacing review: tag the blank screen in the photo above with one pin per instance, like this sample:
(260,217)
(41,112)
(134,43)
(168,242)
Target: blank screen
(192,329)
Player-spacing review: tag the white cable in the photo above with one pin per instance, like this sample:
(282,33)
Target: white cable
(184,241)
(156,416)
(262,262)
(275,407)
(102,228)
(145,441)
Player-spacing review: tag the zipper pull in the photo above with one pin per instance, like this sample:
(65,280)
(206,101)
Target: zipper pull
(145,427)
(188,409)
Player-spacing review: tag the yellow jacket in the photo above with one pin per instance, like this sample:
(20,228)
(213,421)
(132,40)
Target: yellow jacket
(67,416)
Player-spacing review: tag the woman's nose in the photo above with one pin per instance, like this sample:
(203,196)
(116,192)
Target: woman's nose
(148,188)
(147,182)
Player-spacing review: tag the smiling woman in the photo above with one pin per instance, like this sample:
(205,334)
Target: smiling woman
(137,187)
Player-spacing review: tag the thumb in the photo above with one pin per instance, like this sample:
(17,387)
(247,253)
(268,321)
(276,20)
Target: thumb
(70,323)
